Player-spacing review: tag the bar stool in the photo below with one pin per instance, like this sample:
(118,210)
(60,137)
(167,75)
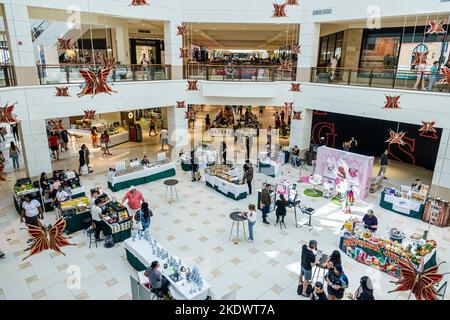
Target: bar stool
(171,185)
(87,222)
(236,218)
(92,240)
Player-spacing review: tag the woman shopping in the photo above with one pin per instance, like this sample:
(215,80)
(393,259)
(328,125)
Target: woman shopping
(143,216)
(105,142)
(14,155)
(251,217)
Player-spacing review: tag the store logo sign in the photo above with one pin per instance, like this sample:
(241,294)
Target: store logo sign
(374,17)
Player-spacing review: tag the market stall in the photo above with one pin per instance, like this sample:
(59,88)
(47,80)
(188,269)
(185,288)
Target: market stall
(406,202)
(186,283)
(269,166)
(134,176)
(225,181)
(371,250)
(73,180)
(204,154)
(22,188)
(118,221)
(76,213)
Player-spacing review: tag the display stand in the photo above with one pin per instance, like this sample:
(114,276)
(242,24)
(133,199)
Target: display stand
(403,206)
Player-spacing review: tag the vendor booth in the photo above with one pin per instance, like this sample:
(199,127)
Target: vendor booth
(405,202)
(76,213)
(118,221)
(225,180)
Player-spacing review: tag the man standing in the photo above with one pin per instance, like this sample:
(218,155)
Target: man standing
(164,138)
(134,198)
(265,203)
(97,218)
(31,212)
(384,161)
(282,116)
(308,261)
(269,137)
(277,119)
(248,175)
(144,62)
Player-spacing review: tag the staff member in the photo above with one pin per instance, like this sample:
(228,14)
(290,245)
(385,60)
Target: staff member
(145,161)
(97,218)
(31,212)
(370,221)
(417,185)
(61,196)
(157,280)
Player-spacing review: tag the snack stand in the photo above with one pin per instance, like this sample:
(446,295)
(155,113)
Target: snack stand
(405,202)
(118,221)
(383,255)
(22,188)
(75,212)
(225,181)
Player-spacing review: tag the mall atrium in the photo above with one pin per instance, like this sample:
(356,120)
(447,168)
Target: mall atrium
(224,150)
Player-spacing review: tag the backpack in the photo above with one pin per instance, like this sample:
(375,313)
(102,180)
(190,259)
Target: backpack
(109,242)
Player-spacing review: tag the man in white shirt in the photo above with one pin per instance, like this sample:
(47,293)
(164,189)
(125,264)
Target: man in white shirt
(164,138)
(61,196)
(31,212)
(97,218)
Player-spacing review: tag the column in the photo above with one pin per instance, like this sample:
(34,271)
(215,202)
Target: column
(21,43)
(172,45)
(301,130)
(441,176)
(122,45)
(177,126)
(309,41)
(35,150)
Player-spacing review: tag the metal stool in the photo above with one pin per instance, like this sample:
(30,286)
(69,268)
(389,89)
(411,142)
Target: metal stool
(171,185)
(91,232)
(87,222)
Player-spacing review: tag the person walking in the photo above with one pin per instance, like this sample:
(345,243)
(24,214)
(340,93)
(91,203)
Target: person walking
(269,137)
(84,168)
(15,131)
(420,82)
(281,210)
(207,122)
(144,215)
(365,290)
(105,143)
(282,115)
(265,203)
(337,283)
(94,136)
(87,155)
(97,218)
(332,67)
(248,175)
(434,73)
(152,126)
(277,120)
(251,218)
(14,155)
(134,199)
(384,161)
(164,136)
(145,66)
(54,145)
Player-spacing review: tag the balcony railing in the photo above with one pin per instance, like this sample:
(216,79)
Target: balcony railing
(70,73)
(394,79)
(7,77)
(244,73)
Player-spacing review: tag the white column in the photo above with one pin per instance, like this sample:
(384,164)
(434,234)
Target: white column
(177,126)
(35,148)
(122,44)
(301,129)
(309,41)
(172,45)
(21,43)
(441,176)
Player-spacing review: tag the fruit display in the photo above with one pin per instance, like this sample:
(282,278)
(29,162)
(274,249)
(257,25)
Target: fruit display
(23,188)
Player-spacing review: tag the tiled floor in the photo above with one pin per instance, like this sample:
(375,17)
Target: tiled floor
(196,229)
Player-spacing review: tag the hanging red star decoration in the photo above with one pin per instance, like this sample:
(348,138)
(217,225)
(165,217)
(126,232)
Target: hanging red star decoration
(96,81)
(192,85)
(137,3)
(446,76)
(297,115)
(279,10)
(396,138)
(436,27)
(182,30)
(295,87)
(392,102)
(181,104)
(185,53)
(89,115)
(428,130)
(62,92)
(419,281)
(189,115)
(57,124)
(292,2)
(420,57)
(295,49)
(65,44)
(288,106)
(6,114)
(46,238)
(285,66)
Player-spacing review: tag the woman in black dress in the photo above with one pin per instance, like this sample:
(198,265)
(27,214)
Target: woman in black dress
(281,209)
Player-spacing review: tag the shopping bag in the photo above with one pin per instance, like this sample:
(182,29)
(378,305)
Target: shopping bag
(84,170)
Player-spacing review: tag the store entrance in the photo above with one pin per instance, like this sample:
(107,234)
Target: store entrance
(151,49)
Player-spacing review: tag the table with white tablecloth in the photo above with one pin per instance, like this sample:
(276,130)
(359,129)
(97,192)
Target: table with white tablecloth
(141,177)
(231,190)
(140,256)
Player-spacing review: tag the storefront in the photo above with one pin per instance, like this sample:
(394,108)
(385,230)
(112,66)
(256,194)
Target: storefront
(330,45)
(151,48)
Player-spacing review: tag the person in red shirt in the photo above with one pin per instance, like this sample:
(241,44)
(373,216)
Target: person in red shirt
(54,145)
(134,199)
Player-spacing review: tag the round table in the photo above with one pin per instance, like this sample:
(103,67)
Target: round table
(236,218)
(171,185)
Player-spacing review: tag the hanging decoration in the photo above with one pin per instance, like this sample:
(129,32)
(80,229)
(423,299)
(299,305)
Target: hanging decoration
(295,49)
(109,63)
(89,115)
(192,85)
(428,130)
(182,30)
(57,124)
(285,66)
(137,3)
(419,281)
(279,10)
(396,138)
(297,115)
(295,87)
(185,53)
(420,57)
(446,76)
(436,27)
(288,106)
(46,238)
(62,92)
(6,114)
(96,81)
(292,2)
(392,102)
(65,44)
(190,115)
(181,104)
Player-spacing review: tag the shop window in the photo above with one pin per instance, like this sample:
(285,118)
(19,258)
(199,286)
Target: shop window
(330,46)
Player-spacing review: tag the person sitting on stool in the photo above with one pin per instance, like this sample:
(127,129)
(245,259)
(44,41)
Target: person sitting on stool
(157,280)
(370,221)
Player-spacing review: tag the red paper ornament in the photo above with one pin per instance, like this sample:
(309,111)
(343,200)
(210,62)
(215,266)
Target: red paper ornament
(185,53)
(109,63)
(297,115)
(396,138)
(420,57)
(6,114)
(279,10)
(285,66)
(419,281)
(62,92)
(392,102)
(446,76)
(288,106)
(292,2)
(295,49)
(436,27)
(190,115)
(137,3)
(182,30)
(295,87)
(57,124)
(428,130)
(192,85)
(96,82)
(89,115)
(65,44)
(181,104)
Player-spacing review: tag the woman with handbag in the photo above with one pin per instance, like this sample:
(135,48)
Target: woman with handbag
(143,217)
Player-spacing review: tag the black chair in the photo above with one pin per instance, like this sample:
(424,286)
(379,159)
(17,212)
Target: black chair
(87,224)
(157,294)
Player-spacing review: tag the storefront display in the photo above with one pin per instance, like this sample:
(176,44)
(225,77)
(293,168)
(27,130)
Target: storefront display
(437,212)
(370,249)
(405,202)
(219,178)
(118,221)
(75,212)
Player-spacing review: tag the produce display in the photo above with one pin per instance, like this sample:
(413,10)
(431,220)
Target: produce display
(23,188)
